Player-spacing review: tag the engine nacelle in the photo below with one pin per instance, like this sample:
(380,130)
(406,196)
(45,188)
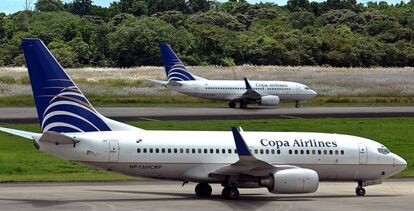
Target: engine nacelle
(269,100)
(288,181)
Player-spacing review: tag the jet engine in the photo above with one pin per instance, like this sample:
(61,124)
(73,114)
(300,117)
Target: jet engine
(269,100)
(289,181)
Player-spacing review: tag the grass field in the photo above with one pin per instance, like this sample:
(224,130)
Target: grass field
(20,161)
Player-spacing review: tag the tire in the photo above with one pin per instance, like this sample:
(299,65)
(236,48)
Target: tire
(243,105)
(360,191)
(232,104)
(230,193)
(203,190)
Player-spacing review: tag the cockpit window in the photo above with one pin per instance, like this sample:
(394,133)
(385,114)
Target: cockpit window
(307,88)
(383,150)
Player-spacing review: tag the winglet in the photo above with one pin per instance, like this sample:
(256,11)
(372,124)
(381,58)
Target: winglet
(241,146)
(247,83)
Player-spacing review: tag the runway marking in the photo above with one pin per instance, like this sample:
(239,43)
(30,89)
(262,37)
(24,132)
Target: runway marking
(291,117)
(150,119)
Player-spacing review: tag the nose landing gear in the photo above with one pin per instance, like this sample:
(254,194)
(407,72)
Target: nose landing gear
(359,190)
(297,105)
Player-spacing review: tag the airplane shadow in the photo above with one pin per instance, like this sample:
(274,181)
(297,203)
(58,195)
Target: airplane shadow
(250,201)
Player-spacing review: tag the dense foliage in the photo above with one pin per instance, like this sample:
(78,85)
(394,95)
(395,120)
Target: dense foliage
(335,32)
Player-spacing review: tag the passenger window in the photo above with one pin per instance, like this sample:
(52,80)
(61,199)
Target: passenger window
(336,152)
(256,151)
(301,152)
(278,151)
(205,151)
(307,152)
(342,152)
(290,152)
(272,151)
(313,152)
(150,150)
(296,151)
(330,152)
(223,151)
(261,151)
(325,152)
(157,150)
(169,150)
(211,151)
(229,150)
(187,151)
(175,150)
(217,151)
(267,151)
(163,150)
(138,150)
(319,152)
(145,150)
(193,151)
(181,150)
(199,151)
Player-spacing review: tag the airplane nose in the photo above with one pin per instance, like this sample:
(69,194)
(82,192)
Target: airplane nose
(313,93)
(400,162)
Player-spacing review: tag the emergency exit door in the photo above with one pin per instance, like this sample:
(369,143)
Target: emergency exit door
(363,154)
(113,151)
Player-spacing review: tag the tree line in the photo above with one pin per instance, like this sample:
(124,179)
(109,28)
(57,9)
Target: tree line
(340,33)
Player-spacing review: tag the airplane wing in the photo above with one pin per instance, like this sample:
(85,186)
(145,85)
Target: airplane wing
(247,164)
(250,94)
(21,133)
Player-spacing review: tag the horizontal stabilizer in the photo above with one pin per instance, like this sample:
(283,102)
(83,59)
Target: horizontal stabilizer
(164,83)
(57,138)
(21,133)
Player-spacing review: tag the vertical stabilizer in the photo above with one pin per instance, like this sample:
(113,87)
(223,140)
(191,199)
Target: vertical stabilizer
(60,104)
(174,68)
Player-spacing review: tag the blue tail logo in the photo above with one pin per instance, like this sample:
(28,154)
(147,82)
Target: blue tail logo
(174,68)
(61,106)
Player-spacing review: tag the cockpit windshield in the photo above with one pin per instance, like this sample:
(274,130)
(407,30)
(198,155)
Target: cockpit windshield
(383,150)
(307,88)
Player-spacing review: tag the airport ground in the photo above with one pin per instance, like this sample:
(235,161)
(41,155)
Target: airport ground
(393,194)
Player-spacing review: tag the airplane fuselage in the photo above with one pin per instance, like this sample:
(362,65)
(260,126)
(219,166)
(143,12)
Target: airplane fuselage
(228,90)
(190,156)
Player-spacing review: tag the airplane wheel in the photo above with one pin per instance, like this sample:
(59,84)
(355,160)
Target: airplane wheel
(203,190)
(243,105)
(232,104)
(230,193)
(360,191)
(297,105)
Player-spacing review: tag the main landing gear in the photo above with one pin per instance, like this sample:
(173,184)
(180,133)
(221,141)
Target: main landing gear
(232,104)
(359,190)
(230,193)
(203,190)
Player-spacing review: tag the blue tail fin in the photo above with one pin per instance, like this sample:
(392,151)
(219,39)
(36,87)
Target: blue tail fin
(61,106)
(174,68)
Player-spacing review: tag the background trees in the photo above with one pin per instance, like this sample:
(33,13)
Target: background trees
(128,33)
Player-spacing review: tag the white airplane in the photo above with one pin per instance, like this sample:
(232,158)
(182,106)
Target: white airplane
(282,162)
(267,93)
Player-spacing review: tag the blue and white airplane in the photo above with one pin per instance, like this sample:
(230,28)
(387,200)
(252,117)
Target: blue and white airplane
(282,162)
(267,93)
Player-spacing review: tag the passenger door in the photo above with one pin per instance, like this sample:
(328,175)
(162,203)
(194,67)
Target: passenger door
(363,154)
